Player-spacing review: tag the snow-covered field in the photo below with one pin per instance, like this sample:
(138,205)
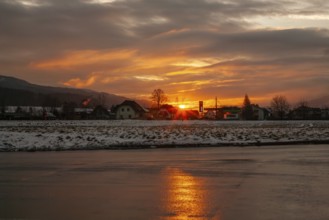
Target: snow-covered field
(65,135)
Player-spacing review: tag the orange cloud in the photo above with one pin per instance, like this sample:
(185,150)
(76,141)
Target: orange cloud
(197,62)
(83,58)
(79,83)
(150,78)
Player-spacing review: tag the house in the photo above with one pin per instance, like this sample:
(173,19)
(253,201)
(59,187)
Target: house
(130,110)
(260,113)
(83,113)
(231,116)
(167,112)
(230,113)
(27,112)
(225,112)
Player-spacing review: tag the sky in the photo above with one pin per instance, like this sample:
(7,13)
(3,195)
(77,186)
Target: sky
(191,49)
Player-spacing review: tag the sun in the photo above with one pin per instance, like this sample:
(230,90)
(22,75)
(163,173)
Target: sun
(182,106)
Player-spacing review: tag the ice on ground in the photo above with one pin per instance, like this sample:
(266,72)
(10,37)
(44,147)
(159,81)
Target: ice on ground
(61,135)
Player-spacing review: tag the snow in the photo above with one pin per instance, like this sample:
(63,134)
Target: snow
(114,134)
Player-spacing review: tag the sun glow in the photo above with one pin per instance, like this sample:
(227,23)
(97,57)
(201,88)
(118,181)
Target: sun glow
(182,106)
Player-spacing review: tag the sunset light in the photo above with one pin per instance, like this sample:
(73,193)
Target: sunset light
(184,195)
(182,106)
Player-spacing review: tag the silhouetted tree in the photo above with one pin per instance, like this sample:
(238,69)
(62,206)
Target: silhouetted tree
(159,97)
(303,108)
(246,111)
(279,106)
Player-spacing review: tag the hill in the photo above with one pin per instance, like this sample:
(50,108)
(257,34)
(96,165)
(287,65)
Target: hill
(17,92)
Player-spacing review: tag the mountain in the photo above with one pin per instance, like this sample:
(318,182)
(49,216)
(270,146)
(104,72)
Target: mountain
(17,92)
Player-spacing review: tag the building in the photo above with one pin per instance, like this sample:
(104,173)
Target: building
(229,113)
(210,115)
(82,113)
(27,112)
(260,113)
(231,116)
(166,112)
(99,112)
(130,110)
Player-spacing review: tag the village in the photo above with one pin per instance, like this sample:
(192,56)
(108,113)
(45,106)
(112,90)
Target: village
(130,109)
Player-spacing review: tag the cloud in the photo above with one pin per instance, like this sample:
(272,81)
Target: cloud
(84,58)
(79,83)
(190,48)
(150,78)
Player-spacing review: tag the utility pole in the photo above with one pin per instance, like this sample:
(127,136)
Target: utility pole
(216,102)
(216,110)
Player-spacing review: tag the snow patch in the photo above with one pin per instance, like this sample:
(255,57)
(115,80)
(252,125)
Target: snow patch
(72,135)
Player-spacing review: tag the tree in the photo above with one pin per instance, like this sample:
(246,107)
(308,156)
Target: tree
(159,97)
(246,111)
(303,109)
(279,106)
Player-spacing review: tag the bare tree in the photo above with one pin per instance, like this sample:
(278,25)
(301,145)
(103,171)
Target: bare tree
(279,106)
(159,97)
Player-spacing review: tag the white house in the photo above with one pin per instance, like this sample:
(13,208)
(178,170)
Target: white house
(130,110)
(259,113)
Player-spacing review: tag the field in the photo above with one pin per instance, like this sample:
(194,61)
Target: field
(117,134)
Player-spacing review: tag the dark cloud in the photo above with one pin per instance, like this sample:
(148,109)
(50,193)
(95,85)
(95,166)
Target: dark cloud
(261,43)
(55,26)
(66,25)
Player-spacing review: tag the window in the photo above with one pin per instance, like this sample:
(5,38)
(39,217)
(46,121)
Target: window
(128,109)
(122,109)
(129,116)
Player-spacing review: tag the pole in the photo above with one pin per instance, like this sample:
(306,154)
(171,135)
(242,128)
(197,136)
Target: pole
(216,111)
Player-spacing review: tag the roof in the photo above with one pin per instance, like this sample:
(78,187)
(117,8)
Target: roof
(134,105)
